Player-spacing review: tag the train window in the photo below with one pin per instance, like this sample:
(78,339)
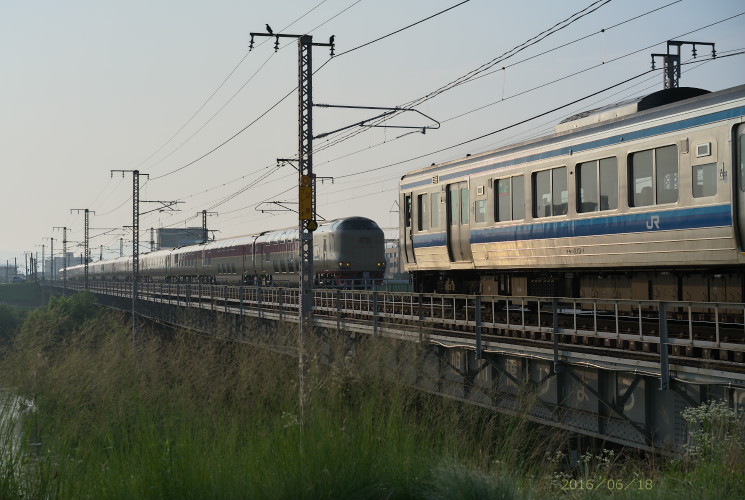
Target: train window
(741,148)
(407,210)
(480,212)
(465,205)
(704,180)
(550,194)
(503,200)
(654,176)
(435,209)
(559,189)
(518,197)
(542,194)
(666,166)
(509,202)
(597,185)
(641,178)
(454,208)
(422,218)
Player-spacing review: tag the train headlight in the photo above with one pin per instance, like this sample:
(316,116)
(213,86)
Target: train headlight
(341,264)
(349,264)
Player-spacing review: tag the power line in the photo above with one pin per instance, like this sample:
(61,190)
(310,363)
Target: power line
(402,29)
(235,94)
(498,130)
(214,92)
(349,136)
(291,92)
(484,67)
(209,120)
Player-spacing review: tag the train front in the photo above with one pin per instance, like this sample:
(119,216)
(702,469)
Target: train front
(354,253)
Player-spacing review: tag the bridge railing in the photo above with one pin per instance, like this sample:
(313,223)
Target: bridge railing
(616,322)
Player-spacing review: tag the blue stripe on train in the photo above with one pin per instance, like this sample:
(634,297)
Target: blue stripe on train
(575,148)
(667,220)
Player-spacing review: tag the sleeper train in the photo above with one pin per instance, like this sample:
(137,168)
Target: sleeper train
(346,252)
(643,200)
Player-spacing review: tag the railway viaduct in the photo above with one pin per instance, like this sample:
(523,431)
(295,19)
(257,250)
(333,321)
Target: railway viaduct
(615,370)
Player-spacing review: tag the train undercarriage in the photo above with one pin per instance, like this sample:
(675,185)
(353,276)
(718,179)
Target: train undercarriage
(684,284)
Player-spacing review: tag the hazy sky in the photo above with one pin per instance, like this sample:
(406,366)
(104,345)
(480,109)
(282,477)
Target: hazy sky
(90,86)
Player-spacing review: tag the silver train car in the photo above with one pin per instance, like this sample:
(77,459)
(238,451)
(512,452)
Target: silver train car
(347,252)
(642,200)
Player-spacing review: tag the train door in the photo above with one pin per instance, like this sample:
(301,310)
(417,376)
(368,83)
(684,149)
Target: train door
(459,222)
(739,171)
(407,226)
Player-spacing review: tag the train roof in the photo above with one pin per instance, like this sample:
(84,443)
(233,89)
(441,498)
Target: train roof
(653,106)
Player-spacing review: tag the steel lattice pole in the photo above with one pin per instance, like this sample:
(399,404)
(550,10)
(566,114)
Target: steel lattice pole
(135,247)
(87,249)
(305,172)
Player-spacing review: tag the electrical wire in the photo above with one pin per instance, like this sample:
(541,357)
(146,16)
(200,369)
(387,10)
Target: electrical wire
(565,77)
(484,67)
(286,96)
(220,86)
(498,130)
(402,29)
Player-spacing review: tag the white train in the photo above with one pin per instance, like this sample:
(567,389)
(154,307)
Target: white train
(643,200)
(347,252)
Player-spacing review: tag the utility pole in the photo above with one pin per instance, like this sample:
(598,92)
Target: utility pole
(42,260)
(671,61)
(135,241)
(51,259)
(152,239)
(86,247)
(306,209)
(64,257)
(205,232)
(121,247)
(100,255)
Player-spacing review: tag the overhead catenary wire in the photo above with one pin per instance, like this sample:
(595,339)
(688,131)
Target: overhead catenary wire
(269,110)
(235,94)
(220,86)
(553,81)
(622,56)
(337,56)
(561,25)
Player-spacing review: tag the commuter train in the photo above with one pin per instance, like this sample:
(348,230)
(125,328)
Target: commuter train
(641,200)
(346,252)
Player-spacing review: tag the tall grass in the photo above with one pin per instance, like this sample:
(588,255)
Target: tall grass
(183,416)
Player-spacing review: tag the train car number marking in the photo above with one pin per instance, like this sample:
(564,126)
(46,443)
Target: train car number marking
(575,251)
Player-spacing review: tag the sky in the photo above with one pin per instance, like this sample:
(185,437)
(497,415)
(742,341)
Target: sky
(171,89)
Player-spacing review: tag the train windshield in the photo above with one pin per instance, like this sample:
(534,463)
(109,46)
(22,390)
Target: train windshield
(357,224)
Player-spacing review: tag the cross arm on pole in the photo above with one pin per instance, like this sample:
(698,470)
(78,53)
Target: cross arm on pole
(388,112)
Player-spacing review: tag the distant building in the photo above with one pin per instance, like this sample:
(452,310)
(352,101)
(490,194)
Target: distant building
(7,273)
(172,237)
(59,263)
(393,264)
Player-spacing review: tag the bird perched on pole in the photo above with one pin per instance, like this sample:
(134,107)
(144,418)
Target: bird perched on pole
(269,29)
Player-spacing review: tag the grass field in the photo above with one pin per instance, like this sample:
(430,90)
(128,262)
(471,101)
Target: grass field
(183,416)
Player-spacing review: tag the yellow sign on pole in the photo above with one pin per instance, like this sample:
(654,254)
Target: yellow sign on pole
(306,203)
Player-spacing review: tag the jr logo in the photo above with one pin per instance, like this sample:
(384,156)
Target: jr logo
(653,222)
